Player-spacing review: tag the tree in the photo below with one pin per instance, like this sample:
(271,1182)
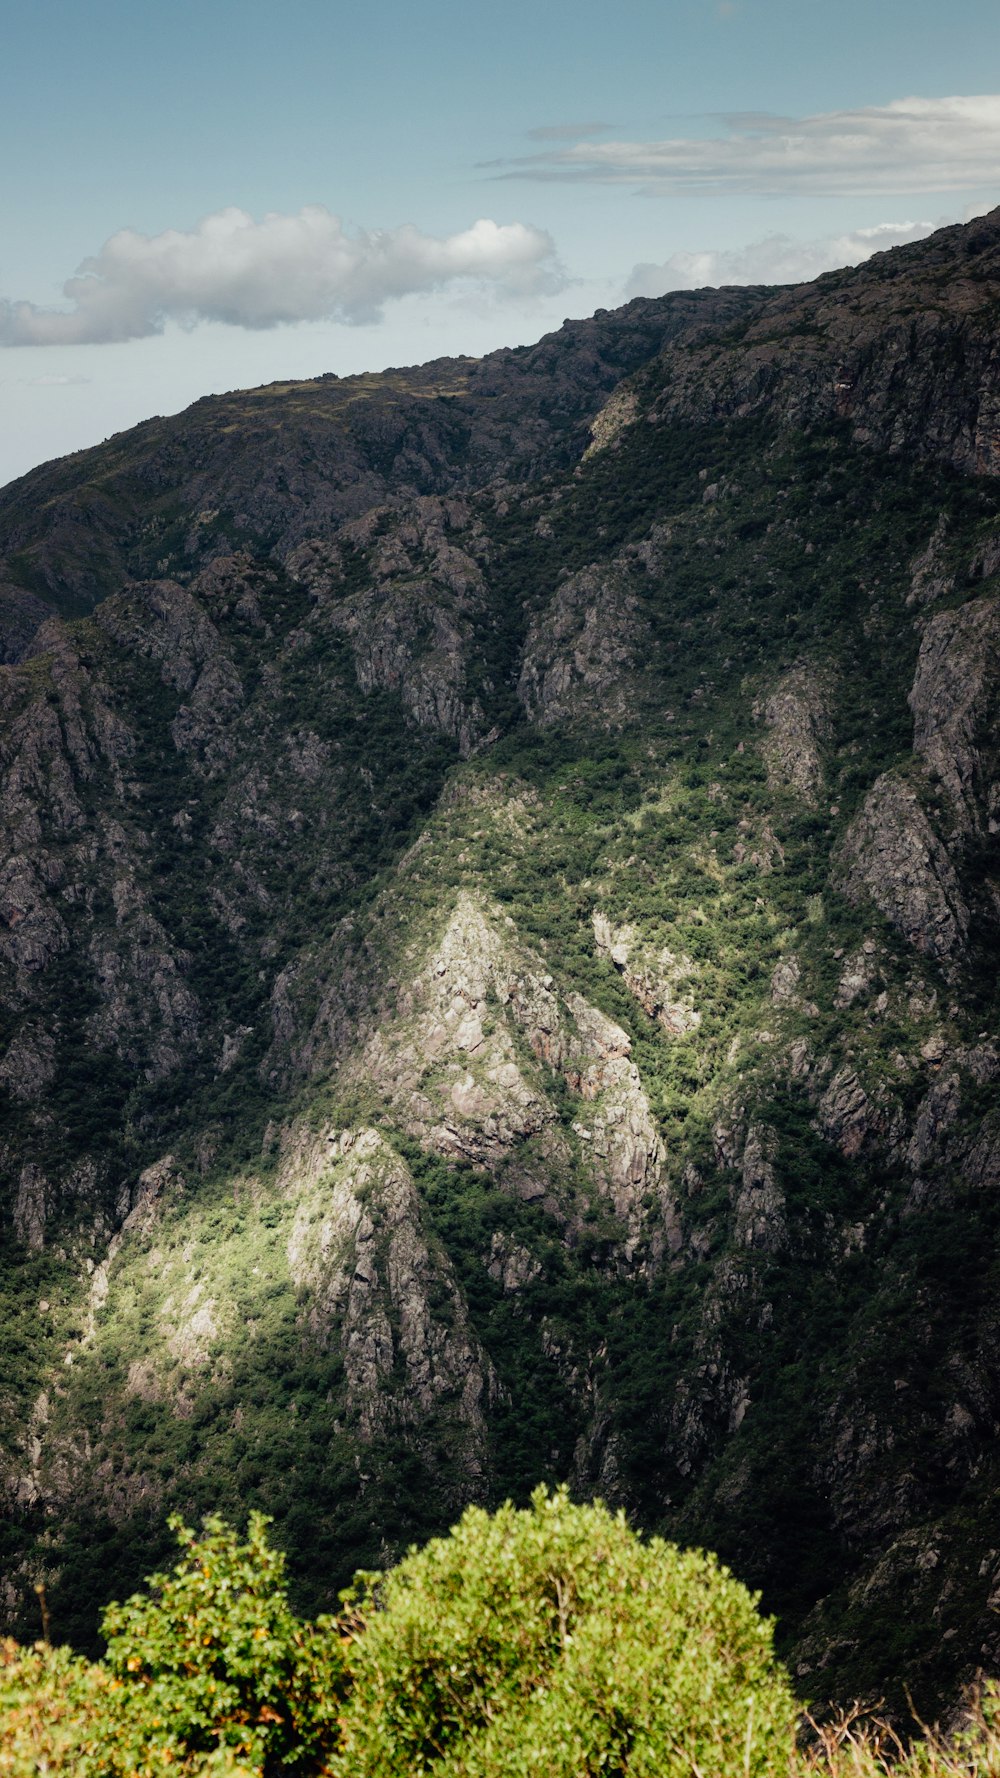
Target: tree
(213,1657)
(554,1643)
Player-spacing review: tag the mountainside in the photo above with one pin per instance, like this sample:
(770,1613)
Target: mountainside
(499,910)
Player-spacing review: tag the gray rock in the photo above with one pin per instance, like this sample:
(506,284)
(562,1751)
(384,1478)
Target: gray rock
(785,978)
(796,714)
(372,1280)
(584,653)
(931,577)
(657,978)
(935,1116)
(956,703)
(411,625)
(759,1202)
(29,1064)
(30,1206)
(854,1120)
(509,1264)
(892,856)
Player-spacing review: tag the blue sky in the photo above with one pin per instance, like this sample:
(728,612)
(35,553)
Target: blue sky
(618,150)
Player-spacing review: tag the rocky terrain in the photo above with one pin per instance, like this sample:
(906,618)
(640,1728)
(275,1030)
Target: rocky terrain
(499,910)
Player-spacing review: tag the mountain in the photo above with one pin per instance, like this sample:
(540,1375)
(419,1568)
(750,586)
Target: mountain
(499,911)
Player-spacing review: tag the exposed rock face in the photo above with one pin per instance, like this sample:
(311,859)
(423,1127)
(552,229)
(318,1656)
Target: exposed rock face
(982,1164)
(448,1060)
(785,978)
(956,704)
(22,614)
(892,855)
(509,1264)
(59,734)
(149,1015)
(849,1117)
(170,623)
(30,1206)
(449,425)
(654,977)
(33,931)
(796,716)
(857,975)
(66,746)
(359,1250)
(932,578)
(616,414)
(759,1202)
(28,1066)
(410,624)
(883,348)
(459,1062)
(583,654)
(934,1119)
(628,1153)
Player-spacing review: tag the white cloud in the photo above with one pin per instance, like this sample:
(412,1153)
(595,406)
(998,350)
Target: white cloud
(909,145)
(777,259)
(262,274)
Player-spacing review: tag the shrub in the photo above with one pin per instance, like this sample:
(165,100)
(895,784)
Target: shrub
(550,1643)
(861,1745)
(60,1717)
(213,1657)
(554,1642)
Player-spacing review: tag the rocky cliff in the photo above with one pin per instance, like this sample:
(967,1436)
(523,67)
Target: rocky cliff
(499,902)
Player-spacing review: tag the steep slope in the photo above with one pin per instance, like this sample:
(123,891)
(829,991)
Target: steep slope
(499,947)
(902,347)
(265,469)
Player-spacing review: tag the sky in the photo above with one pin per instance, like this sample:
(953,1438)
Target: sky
(200,197)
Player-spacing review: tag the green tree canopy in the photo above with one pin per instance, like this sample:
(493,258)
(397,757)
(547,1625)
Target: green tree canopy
(554,1642)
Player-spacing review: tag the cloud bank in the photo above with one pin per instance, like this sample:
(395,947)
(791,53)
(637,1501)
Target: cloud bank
(913,145)
(252,274)
(777,259)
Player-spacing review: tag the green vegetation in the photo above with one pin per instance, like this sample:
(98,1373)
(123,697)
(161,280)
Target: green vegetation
(547,1643)
(788,1365)
(552,1641)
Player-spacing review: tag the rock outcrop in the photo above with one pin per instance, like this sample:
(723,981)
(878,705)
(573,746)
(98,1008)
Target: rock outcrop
(892,856)
(657,978)
(375,1289)
(758,1200)
(796,715)
(583,656)
(466,1060)
(956,710)
(901,349)
(410,624)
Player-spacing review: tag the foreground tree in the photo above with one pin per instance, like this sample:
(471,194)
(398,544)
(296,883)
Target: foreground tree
(550,1641)
(545,1643)
(554,1642)
(208,1672)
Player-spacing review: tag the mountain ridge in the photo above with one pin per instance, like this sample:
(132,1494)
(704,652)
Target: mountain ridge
(499,981)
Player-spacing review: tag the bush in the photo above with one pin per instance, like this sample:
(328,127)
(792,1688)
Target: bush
(210,1673)
(215,1658)
(61,1718)
(553,1642)
(550,1643)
